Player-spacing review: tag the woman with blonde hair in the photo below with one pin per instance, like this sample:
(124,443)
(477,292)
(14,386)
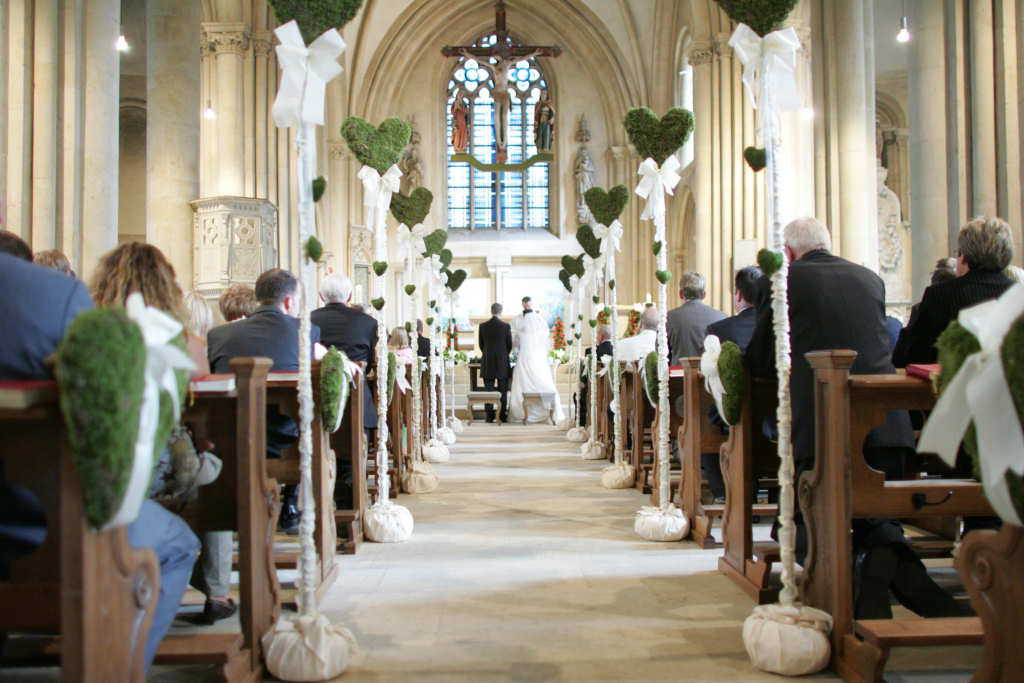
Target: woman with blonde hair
(398,342)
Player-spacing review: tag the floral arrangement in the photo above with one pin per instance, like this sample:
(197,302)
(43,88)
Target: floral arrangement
(633,327)
(451,334)
(604,315)
(559,332)
(558,356)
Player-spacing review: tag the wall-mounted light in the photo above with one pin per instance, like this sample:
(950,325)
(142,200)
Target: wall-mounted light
(121,44)
(903,35)
(209,114)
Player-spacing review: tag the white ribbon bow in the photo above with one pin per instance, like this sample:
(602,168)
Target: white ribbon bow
(979,392)
(709,368)
(655,183)
(611,242)
(410,240)
(606,362)
(773,60)
(377,191)
(305,74)
(401,382)
(592,269)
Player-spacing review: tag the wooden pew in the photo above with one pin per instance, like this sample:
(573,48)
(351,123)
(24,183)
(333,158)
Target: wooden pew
(627,401)
(91,587)
(641,429)
(350,442)
(841,487)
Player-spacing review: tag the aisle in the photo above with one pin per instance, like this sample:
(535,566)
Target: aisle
(522,567)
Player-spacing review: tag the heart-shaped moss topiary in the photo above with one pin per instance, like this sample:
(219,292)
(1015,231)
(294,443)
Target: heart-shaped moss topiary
(769,261)
(651,377)
(410,289)
(446,258)
(611,284)
(588,240)
(596,299)
(656,247)
(314,250)
(377,303)
(578,335)
(430,321)
(606,206)
(380,147)
(733,373)
(573,265)
(664,276)
(432,303)
(315,17)
(764,16)
(392,374)
(564,276)
(658,139)
(319,187)
(435,242)
(756,158)
(455,279)
(412,210)
(380,267)
(334,389)
(593,323)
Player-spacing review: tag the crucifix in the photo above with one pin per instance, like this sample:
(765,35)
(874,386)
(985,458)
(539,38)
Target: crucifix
(507,56)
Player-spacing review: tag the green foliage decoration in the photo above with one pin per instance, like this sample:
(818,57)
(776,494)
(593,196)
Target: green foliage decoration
(380,267)
(100,371)
(319,187)
(564,276)
(954,345)
(611,284)
(314,250)
(658,139)
(589,241)
(315,16)
(435,242)
(656,247)
(379,147)
(769,261)
(664,276)
(596,299)
(606,206)
(455,279)
(377,303)
(432,303)
(430,321)
(446,257)
(756,158)
(392,374)
(651,377)
(764,16)
(334,388)
(733,373)
(411,209)
(573,265)
(593,323)
(410,289)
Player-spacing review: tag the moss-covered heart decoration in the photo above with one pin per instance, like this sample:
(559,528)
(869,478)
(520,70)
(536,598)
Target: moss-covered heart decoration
(589,241)
(380,267)
(455,279)
(651,378)
(379,147)
(733,374)
(664,276)
(314,250)
(769,261)
(656,247)
(315,16)
(410,289)
(412,209)
(954,345)
(756,158)
(573,265)
(764,16)
(564,276)
(432,303)
(611,284)
(446,258)
(430,321)
(100,370)
(377,303)
(606,206)
(593,323)
(334,389)
(596,299)
(319,187)
(658,139)
(434,242)
(392,374)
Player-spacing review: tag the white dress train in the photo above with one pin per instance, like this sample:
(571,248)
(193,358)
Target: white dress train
(533,372)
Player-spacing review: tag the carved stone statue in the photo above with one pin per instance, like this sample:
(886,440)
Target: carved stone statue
(892,252)
(410,164)
(543,123)
(583,170)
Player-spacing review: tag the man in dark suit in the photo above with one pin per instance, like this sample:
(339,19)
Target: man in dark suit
(687,324)
(495,370)
(604,348)
(422,343)
(41,305)
(984,249)
(836,304)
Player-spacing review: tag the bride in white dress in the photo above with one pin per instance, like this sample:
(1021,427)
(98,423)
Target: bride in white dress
(533,372)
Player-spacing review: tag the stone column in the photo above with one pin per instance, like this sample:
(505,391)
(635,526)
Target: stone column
(229,43)
(262,44)
(44,125)
(99,135)
(172,132)
(983,116)
(928,143)
(699,244)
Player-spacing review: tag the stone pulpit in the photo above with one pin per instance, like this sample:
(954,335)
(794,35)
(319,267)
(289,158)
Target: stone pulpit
(234,239)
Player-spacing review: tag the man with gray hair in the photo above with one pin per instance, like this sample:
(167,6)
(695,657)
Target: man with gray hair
(688,323)
(643,342)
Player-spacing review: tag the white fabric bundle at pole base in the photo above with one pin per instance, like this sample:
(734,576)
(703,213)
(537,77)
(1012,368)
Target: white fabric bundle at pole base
(435,451)
(565,423)
(592,450)
(388,522)
(307,648)
(455,424)
(420,477)
(791,641)
(577,435)
(666,523)
(446,436)
(618,476)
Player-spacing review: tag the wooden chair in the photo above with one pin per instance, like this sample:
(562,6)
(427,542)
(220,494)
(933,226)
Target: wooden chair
(842,487)
(90,587)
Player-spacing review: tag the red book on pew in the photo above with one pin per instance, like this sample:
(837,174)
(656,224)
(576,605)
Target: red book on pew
(928,371)
(676,371)
(221,381)
(24,393)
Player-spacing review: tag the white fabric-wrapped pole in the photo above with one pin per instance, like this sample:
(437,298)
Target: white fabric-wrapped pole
(445,434)
(420,476)
(578,433)
(434,451)
(593,449)
(618,475)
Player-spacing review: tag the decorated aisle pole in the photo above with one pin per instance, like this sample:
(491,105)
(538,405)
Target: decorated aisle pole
(657,141)
(593,264)
(307,647)
(577,433)
(435,450)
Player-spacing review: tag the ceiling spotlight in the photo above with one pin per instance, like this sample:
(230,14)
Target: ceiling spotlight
(903,35)
(209,114)
(121,45)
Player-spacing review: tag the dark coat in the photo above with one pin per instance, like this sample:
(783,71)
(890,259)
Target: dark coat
(39,306)
(833,304)
(603,349)
(495,338)
(737,329)
(940,306)
(422,346)
(686,327)
(355,333)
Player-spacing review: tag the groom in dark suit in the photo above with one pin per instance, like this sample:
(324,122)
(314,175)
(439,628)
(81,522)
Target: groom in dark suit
(495,345)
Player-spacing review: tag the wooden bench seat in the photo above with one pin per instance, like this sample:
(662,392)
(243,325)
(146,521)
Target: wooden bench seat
(482,396)
(350,441)
(884,634)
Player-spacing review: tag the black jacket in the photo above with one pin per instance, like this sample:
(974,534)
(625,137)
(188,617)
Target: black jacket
(737,329)
(940,306)
(355,333)
(603,349)
(833,304)
(495,338)
(267,332)
(422,346)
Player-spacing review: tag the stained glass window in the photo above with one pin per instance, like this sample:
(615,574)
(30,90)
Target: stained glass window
(478,199)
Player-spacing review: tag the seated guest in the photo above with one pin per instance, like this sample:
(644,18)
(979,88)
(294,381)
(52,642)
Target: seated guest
(984,249)
(688,324)
(637,347)
(422,343)
(355,333)
(271,331)
(237,302)
(15,246)
(55,259)
(604,348)
(398,341)
(836,304)
(35,321)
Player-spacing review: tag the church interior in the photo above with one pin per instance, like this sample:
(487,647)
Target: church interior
(602,340)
